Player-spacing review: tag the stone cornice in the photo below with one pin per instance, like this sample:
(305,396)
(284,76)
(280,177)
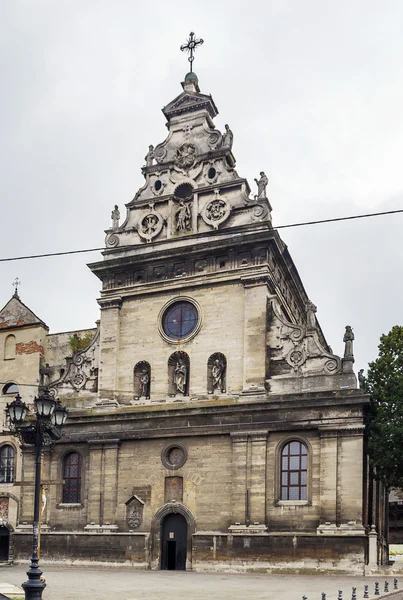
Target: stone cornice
(110,303)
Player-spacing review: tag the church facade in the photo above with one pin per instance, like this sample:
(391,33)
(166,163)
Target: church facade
(211,426)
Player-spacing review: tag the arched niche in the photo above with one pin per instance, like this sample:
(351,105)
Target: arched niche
(142,380)
(178,374)
(9,347)
(217,373)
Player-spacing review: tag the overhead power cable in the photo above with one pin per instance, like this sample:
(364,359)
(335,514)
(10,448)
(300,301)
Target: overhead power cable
(288,226)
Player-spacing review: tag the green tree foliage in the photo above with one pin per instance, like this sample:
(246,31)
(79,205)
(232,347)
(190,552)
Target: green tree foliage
(77,342)
(385,384)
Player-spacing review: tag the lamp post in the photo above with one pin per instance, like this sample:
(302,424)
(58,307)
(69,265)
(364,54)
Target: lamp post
(41,429)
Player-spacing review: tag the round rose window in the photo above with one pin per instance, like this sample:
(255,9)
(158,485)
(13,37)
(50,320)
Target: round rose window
(180,320)
(174,456)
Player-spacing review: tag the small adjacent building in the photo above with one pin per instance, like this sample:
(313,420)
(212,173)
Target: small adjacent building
(211,426)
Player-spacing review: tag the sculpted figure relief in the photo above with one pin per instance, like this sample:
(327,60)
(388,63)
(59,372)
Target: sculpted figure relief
(228,138)
(217,372)
(183,217)
(216,209)
(149,158)
(262,185)
(180,378)
(185,156)
(115,216)
(149,224)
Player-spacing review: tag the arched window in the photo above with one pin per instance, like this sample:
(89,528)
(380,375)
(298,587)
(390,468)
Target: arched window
(72,478)
(294,467)
(9,347)
(10,388)
(6,464)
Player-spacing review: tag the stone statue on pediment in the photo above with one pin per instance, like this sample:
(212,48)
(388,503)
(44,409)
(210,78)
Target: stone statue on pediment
(262,185)
(228,138)
(348,342)
(310,309)
(149,158)
(115,216)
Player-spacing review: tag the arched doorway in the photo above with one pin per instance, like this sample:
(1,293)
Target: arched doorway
(4,543)
(174,542)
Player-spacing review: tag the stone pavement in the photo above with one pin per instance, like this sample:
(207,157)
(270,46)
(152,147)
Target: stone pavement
(124,584)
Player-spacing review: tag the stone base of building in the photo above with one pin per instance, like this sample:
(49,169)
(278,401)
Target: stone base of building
(212,551)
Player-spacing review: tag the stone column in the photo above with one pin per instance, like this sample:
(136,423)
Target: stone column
(373,548)
(258,477)
(239,476)
(255,331)
(110,478)
(93,483)
(328,477)
(109,350)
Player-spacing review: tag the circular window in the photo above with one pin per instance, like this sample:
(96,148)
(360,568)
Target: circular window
(158,185)
(180,320)
(211,173)
(174,456)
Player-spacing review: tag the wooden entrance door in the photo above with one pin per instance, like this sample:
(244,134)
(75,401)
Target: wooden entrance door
(173,542)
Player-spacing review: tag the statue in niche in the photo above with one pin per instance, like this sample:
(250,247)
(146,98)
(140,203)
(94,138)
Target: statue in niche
(183,217)
(145,383)
(261,185)
(180,377)
(149,158)
(348,342)
(142,380)
(310,315)
(217,373)
(228,138)
(115,216)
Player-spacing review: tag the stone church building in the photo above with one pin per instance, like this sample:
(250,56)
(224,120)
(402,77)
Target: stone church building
(210,425)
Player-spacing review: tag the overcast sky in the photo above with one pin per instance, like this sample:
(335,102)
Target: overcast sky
(312,90)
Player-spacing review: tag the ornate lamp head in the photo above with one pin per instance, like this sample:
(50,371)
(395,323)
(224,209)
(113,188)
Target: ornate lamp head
(59,415)
(17,410)
(45,404)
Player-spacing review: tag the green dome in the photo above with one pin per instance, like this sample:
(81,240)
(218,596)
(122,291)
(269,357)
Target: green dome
(191,77)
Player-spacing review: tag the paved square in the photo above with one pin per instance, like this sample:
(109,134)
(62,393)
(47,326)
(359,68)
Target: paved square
(124,584)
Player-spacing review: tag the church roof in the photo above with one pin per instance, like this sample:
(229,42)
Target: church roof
(16,314)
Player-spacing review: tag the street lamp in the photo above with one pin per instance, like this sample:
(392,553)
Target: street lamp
(41,429)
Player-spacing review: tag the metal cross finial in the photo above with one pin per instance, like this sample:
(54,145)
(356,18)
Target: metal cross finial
(16,283)
(190,47)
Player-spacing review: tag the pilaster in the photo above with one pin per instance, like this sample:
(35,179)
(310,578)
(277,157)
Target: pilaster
(109,350)
(258,477)
(328,477)
(94,476)
(110,477)
(255,328)
(239,476)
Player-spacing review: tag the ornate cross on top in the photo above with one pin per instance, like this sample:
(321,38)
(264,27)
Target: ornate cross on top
(16,283)
(190,47)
